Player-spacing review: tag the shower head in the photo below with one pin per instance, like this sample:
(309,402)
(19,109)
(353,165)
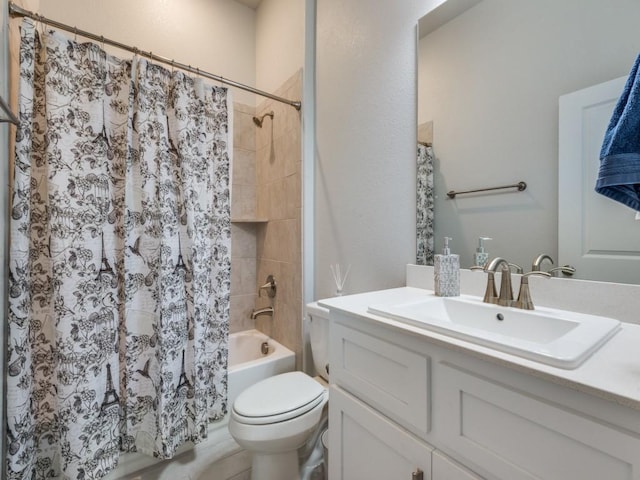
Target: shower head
(258,121)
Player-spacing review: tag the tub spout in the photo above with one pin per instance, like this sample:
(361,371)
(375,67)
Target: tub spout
(262,311)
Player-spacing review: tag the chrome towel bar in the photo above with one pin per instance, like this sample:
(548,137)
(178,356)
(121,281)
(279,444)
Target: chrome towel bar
(520,186)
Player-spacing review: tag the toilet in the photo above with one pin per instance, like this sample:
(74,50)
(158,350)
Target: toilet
(273,418)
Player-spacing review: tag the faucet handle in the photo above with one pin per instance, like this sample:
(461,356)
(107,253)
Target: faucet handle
(524,300)
(516,267)
(270,287)
(566,270)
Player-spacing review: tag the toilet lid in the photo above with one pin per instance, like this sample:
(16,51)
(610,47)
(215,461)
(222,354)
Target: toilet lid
(279,398)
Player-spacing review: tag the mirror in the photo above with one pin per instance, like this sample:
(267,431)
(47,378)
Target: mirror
(490,74)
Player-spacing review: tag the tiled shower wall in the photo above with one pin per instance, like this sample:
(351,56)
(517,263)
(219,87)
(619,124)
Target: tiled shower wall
(266,183)
(243,207)
(279,199)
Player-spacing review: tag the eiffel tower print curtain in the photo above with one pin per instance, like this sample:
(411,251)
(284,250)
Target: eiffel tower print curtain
(119,260)
(425,205)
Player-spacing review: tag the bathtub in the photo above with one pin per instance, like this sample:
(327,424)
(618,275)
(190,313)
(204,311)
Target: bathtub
(247,365)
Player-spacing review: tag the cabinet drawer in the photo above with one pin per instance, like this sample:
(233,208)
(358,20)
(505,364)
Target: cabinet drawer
(513,435)
(364,445)
(390,378)
(443,468)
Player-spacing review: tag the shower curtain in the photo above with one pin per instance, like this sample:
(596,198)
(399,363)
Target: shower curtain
(119,260)
(425,205)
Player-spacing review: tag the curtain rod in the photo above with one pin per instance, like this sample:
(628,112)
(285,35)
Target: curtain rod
(16,11)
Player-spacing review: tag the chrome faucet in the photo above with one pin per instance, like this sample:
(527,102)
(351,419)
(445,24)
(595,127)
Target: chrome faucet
(535,266)
(505,297)
(566,270)
(262,311)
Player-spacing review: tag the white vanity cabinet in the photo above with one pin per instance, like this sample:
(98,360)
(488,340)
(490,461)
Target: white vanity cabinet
(401,401)
(443,468)
(364,445)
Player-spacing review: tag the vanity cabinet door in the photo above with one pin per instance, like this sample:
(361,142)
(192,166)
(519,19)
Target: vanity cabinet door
(364,445)
(389,377)
(443,468)
(508,434)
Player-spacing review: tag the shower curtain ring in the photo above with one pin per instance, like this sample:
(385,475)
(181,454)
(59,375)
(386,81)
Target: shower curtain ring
(75,34)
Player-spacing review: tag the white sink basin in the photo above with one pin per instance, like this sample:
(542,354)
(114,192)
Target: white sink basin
(555,337)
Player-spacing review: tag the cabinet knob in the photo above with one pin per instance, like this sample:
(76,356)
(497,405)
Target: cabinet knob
(417,475)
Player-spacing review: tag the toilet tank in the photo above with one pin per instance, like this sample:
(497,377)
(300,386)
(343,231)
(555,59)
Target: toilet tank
(318,318)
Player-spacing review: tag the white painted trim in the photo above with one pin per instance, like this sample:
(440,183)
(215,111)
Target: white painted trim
(4,209)
(308,173)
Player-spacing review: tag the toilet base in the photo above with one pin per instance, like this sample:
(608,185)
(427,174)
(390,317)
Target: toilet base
(275,466)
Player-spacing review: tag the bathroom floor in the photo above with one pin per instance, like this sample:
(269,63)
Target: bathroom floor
(233,463)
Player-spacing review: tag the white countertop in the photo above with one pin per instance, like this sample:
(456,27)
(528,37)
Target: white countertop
(612,372)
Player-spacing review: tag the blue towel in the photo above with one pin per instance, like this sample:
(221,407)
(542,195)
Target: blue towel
(619,175)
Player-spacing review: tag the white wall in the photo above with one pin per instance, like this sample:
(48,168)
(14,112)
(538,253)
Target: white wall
(490,81)
(280,42)
(366,141)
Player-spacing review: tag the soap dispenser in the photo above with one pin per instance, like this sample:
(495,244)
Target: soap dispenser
(446,269)
(480,258)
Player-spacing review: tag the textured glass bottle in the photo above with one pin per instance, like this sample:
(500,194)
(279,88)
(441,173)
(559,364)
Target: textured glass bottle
(446,269)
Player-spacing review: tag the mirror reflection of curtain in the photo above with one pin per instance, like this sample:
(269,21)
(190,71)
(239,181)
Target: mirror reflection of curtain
(119,260)
(424,208)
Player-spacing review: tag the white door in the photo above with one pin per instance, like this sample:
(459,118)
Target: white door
(598,236)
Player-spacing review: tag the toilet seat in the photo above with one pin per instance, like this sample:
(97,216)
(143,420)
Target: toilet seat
(279,417)
(278,398)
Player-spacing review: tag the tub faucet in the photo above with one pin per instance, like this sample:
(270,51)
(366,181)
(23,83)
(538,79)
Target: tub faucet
(262,311)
